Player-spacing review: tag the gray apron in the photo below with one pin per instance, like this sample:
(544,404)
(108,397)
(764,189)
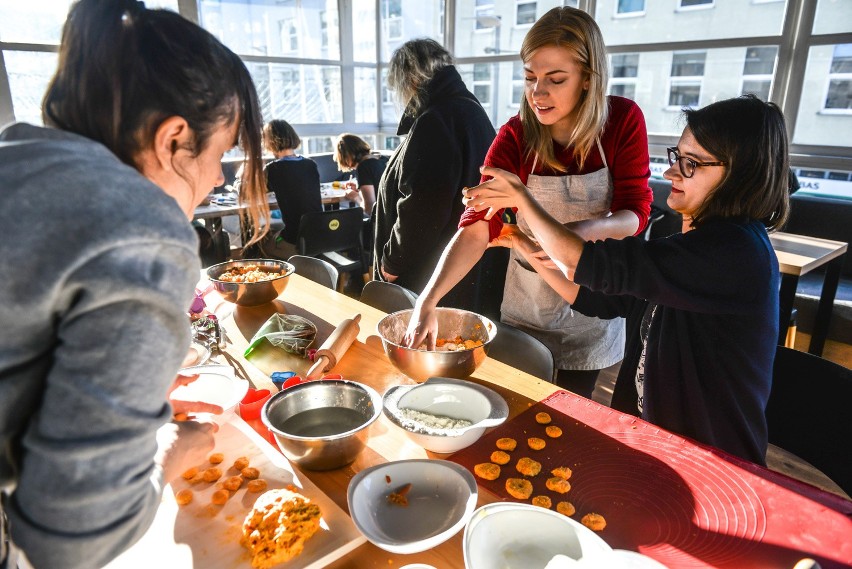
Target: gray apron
(576,341)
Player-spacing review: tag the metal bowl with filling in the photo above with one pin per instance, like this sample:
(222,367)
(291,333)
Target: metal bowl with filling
(251,293)
(322,424)
(420,364)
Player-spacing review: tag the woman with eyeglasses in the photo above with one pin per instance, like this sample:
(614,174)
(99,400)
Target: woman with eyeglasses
(100,262)
(584,157)
(701,305)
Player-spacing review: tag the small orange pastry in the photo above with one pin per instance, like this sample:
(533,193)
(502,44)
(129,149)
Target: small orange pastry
(233,483)
(528,467)
(562,472)
(536,443)
(500,457)
(212,474)
(487,471)
(220,496)
(553,431)
(190,473)
(258,485)
(183,497)
(593,521)
(250,473)
(557,484)
(519,488)
(566,508)
(542,501)
(216,458)
(241,463)
(542,418)
(507,444)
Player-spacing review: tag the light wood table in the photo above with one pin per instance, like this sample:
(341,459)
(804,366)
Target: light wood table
(366,362)
(799,255)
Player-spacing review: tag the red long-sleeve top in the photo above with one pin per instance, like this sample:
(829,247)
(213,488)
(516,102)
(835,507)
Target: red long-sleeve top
(625,144)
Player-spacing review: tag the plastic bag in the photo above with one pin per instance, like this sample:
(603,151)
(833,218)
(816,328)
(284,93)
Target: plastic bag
(289,332)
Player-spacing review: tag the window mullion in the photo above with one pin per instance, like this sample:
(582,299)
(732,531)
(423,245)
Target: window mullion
(793,59)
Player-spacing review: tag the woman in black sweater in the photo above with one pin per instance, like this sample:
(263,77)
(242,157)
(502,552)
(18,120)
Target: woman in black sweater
(702,305)
(295,181)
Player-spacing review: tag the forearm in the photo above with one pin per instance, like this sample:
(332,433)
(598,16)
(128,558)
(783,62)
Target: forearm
(561,244)
(620,224)
(566,288)
(461,254)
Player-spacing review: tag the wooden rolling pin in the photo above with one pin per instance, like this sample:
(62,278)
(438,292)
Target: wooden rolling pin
(334,347)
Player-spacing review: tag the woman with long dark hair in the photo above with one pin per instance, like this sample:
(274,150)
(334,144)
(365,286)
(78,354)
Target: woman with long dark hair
(99,267)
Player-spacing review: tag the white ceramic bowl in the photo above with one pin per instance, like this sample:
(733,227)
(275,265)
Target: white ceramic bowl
(441,500)
(445,397)
(521,536)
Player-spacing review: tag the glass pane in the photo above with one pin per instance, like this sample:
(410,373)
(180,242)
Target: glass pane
(402,21)
(625,64)
(760,88)
(661,95)
(825,111)
(366,108)
(308,28)
(391,111)
(364,30)
(628,6)
(488,28)
(661,23)
(760,60)
(298,93)
(501,93)
(32,22)
(29,73)
(833,17)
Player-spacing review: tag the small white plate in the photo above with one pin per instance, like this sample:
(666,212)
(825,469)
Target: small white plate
(215,384)
(441,500)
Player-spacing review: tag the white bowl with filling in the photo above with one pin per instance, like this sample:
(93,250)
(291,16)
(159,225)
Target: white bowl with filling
(444,415)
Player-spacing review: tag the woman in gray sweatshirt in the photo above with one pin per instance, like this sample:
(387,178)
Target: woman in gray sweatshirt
(99,263)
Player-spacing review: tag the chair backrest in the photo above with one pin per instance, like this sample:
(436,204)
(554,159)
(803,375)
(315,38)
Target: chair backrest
(388,297)
(522,351)
(331,231)
(807,412)
(315,269)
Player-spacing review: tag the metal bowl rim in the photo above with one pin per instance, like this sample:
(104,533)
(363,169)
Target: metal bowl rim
(289,267)
(374,395)
(487,321)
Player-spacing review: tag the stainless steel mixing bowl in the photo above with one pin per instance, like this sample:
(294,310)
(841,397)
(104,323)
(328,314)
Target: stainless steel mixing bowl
(251,294)
(322,424)
(422,364)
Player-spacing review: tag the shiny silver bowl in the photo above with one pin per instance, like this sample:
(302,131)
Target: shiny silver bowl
(420,364)
(322,424)
(251,294)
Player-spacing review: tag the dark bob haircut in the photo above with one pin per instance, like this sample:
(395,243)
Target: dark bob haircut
(750,137)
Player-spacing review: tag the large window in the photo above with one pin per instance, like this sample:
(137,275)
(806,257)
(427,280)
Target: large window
(322,64)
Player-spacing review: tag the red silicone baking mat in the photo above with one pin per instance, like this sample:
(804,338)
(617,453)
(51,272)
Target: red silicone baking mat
(667,497)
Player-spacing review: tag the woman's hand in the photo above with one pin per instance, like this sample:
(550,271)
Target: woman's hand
(502,191)
(387,276)
(423,327)
(182,409)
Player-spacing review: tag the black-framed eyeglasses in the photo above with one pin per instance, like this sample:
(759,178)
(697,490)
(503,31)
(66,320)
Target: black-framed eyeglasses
(687,165)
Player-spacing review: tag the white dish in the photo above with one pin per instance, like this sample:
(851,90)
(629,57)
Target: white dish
(445,397)
(521,536)
(441,499)
(215,384)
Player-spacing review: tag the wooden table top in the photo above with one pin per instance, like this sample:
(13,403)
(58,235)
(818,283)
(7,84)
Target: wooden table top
(366,362)
(210,210)
(800,254)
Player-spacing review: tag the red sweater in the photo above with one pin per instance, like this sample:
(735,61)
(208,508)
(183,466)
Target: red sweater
(625,144)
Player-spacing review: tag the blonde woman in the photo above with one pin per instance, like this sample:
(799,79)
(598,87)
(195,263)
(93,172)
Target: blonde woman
(584,157)
(352,153)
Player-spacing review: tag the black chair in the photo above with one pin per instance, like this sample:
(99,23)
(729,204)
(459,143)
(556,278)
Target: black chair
(315,269)
(518,349)
(806,413)
(327,234)
(388,297)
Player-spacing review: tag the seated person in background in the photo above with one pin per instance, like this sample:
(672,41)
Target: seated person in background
(701,305)
(296,183)
(353,153)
